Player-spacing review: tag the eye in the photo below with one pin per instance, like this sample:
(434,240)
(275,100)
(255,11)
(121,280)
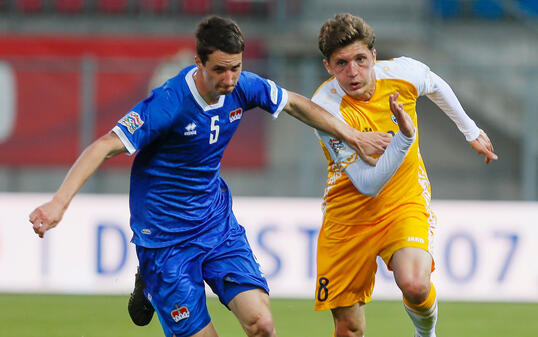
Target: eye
(340,63)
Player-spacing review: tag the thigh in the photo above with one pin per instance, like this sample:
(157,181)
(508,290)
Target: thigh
(411,264)
(414,229)
(175,287)
(249,306)
(346,265)
(231,268)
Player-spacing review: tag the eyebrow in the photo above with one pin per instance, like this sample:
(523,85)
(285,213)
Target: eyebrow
(218,66)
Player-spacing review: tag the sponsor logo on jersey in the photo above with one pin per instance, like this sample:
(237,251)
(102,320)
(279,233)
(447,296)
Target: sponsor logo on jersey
(180,313)
(274,92)
(393,119)
(132,121)
(236,114)
(190,129)
(415,239)
(146,231)
(336,144)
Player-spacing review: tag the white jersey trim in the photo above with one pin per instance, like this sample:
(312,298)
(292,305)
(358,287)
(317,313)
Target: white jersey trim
(197,97)
(282,104)
(128,145)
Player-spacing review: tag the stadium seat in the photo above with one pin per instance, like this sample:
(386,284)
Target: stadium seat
(238,7)
(446,9)
(112,6)
(198,7)
(29,6)
(248,7)
(488,9)
(154,6)
(69,6)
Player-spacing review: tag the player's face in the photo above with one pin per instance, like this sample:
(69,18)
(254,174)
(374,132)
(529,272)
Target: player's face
(353,67)
(220,72)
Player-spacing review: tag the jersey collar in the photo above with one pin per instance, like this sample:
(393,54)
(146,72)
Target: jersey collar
(197,97)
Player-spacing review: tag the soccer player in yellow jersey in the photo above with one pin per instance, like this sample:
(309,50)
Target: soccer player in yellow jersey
(381,210)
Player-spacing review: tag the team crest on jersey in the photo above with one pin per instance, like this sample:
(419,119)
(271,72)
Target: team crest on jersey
(180,313)
(393,119)
(336,144)
(132,121)
(190,129)
(236,114)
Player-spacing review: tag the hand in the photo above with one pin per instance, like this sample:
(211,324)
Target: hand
(403,119)
(46,216)
(483,145)
(368,144)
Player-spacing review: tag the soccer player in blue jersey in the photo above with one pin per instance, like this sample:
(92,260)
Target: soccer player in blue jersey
(181,209)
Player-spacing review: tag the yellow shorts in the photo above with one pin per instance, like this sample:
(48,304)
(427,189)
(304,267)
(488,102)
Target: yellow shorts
(346,256)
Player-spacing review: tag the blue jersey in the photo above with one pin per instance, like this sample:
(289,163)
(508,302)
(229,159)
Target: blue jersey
(176,192)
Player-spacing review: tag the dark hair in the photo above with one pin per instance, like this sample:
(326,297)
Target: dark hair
(343,30)
(216,33)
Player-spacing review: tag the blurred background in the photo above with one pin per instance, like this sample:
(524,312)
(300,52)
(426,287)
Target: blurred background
(69,69)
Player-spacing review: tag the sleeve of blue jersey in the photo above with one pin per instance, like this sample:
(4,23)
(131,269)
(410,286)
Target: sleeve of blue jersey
(263,93)
(148,119)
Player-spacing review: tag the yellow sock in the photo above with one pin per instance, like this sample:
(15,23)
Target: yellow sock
(424,315)
(427,304)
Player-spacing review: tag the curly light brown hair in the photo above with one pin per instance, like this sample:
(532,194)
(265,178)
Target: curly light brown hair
(343,30)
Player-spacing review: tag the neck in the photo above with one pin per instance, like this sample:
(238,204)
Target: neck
(209,97)
(369,92)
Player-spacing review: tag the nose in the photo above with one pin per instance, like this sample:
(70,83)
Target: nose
(352,69)
(228,78)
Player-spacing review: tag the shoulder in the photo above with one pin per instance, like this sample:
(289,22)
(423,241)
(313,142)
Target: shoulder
(329,95)
(178,85)
(403,67)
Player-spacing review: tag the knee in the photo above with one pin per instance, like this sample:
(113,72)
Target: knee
(415,290)
(261,326)
(349,329)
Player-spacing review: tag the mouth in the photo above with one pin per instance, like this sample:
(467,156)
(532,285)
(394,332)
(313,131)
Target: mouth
(355,85)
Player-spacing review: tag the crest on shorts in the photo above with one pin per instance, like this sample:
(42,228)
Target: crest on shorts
(180,313)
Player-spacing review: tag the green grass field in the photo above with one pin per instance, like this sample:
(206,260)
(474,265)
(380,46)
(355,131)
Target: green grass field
(104,316)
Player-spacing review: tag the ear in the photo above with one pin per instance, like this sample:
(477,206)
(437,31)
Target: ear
(374,54)
(328,67)
(198,62)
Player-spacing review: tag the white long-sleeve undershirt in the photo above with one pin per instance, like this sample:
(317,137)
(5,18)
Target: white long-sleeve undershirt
(446,100)
(367,179)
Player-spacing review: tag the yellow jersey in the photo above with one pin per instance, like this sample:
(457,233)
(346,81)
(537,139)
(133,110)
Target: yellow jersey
(409,187)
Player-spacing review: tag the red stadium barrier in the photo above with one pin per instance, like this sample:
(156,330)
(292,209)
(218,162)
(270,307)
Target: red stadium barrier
(29,6)
(47,79)
(199,7)
(69,6)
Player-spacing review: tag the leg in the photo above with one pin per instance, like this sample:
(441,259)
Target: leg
(175,288)
(349,321)
(412,270)
(251,308)
(208,331)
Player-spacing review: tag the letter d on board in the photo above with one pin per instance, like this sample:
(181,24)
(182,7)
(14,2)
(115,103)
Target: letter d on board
(110,234)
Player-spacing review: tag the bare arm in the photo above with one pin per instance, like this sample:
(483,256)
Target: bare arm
(49,214)
(365,143)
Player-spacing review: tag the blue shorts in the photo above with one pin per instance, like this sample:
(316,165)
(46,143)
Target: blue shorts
(175,276)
